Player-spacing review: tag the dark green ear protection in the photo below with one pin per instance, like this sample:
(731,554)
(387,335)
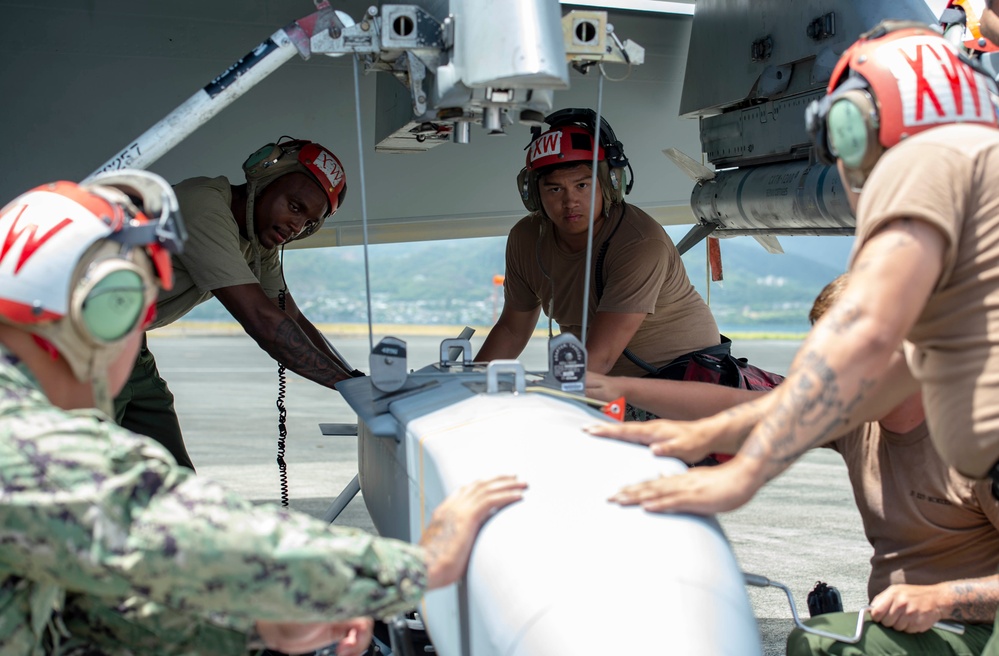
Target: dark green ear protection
(264,158)
(258,163)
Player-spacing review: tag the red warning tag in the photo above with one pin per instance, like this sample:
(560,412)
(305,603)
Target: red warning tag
(715,259)
(614,409)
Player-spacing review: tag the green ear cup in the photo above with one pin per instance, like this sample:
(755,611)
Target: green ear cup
(847,130)
(114,305)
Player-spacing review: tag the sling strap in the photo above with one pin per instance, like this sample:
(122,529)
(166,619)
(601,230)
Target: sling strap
(717,350)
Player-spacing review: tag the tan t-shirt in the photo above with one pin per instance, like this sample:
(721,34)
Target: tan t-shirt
(926,522)
(215,254)
(949,177)
(642,272)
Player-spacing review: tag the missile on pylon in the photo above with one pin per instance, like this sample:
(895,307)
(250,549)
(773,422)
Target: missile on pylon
(779,57)
(787,198)
(564,570)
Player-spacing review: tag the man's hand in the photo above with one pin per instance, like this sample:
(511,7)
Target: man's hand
(702,491)
(353,636)
(602,387)
(908,608)
(451,533)
(916,608)
(685,440)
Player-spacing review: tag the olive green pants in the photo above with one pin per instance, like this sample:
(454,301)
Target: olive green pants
(992,648)
(877,640)
(145,406)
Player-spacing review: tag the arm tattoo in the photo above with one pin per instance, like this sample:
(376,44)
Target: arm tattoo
(815,405)
(292,347)
(439,534)
(841,318)
(975,600)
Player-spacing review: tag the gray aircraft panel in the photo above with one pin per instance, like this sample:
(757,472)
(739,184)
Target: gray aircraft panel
(105,72)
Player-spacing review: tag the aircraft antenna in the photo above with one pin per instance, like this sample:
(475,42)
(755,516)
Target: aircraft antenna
(364,202)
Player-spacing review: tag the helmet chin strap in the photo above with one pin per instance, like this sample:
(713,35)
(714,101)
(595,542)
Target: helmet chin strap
(102,398)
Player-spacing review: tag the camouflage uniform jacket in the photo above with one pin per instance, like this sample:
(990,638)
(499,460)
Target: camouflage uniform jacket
(107,547)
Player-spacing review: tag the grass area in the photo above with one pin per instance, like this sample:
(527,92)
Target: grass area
(180,328)
(742,336)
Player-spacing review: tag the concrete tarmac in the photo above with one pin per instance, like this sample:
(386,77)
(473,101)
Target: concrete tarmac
(801,528)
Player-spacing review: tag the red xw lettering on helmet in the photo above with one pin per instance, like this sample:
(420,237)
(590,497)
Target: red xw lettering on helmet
(939,85)
(328,165)
(545,145)
(33,241)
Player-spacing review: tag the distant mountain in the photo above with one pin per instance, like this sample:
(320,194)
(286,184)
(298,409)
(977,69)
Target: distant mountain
(451,282)
(831,251)
(763,291)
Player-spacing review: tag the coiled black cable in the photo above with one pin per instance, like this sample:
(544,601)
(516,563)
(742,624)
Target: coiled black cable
(282,411)
(282,432)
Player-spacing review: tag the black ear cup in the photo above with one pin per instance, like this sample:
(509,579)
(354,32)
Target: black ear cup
(527,186)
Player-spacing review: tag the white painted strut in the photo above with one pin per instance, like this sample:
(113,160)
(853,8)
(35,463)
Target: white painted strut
(203,105)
